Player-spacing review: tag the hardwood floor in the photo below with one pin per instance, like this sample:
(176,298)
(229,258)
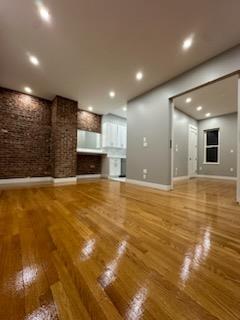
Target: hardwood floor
(110,250)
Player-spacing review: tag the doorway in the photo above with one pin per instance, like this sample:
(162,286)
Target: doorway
(201,117)
(192,150)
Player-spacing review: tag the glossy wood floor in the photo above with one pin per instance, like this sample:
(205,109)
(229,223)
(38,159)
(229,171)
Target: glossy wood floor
(109,250)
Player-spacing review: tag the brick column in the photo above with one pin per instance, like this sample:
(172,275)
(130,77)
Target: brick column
(64,138)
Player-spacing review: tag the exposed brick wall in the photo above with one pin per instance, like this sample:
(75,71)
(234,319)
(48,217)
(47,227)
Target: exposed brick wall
(64,137)
(38,137)
(88,164)
(25,133)
(89,121)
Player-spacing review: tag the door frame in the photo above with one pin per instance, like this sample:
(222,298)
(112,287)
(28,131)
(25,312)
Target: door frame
(192,127)
(172,110)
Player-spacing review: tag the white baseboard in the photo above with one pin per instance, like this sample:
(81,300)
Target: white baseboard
(89,176)
(181,178)
(216,177)
(105,176)
(62,181)
(150,184)
(28,180)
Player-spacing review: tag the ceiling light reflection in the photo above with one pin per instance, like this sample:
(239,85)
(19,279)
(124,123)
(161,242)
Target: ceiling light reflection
(136,308)
(109,275)
(43,313)
(194,259)
(88,249)
(26,277)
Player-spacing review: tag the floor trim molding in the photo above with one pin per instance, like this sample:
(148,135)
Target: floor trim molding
(62,181)
(23,181)
(216,177)
(181,178)
(89,176)
(149,184)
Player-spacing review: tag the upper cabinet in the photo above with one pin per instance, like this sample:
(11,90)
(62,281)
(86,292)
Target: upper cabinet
(114,132)
(122,136)
(110,135)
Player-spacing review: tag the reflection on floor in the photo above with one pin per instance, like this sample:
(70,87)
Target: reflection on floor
(109,250)
(210,190)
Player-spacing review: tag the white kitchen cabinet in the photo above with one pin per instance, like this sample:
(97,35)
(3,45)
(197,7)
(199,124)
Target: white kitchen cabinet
(109,135)
(122,136)
(114,167)
(104,135)
(113,135)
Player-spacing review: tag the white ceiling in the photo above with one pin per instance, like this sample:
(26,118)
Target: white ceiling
(217,98)
(91,47)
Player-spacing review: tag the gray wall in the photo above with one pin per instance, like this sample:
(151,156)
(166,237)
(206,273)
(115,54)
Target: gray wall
(227,125)
(149,116)
(180,142)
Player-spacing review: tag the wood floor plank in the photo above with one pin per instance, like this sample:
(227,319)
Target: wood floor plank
(109,250)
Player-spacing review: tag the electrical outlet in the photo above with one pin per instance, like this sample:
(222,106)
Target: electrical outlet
(231,169)
(231,151)
(144,176)
(145,171)
(145,144)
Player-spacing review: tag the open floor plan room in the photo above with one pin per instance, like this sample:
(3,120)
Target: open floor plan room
(120,160)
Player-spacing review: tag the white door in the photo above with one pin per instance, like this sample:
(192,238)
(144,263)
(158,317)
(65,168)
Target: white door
(192,150)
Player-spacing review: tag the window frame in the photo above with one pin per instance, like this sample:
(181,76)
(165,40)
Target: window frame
(211,146)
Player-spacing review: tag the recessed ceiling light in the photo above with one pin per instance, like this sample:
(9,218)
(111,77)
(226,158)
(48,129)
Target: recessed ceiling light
(44,14)
(139,76)
(90,108)
(208,114)
(187,43)
(112,94)
(188,100)
(34,60)
(28,90)
(124,108)
(199,108)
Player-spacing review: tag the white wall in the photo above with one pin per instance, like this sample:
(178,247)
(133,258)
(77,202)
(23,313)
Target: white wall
(149,116)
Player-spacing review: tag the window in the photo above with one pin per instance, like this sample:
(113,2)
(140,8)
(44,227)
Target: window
(211,146)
